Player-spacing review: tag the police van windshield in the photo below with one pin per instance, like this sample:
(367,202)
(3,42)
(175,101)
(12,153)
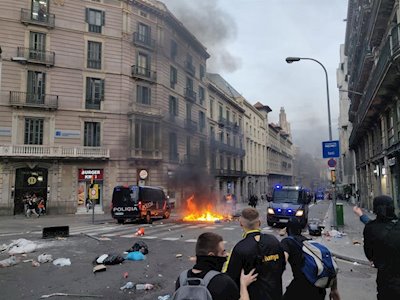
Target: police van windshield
(286,196)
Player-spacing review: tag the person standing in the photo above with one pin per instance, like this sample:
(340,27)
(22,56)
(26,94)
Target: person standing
(382,247)
(260,251)
(32,207)
(294,255)
(211,256)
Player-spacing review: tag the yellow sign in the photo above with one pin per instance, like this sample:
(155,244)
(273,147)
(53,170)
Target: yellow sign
(94,192)
(32,180)
(333,176)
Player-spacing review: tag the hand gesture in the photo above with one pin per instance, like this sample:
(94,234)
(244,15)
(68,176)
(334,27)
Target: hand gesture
(246,280)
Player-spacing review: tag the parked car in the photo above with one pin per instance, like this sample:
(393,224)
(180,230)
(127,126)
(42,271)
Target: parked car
(286,202)
(144,203)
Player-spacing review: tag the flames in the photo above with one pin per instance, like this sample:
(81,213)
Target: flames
(205,214)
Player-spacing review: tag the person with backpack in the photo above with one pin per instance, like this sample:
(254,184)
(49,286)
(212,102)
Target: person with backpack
(382,247)
(294,246)
(205,280)
(261,252)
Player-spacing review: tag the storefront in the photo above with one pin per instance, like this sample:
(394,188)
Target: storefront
(90,186)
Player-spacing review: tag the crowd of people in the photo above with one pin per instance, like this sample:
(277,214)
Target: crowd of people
(33,204)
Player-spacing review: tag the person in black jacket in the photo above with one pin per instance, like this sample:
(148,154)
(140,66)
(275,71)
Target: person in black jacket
(260,251)
(378,247)
(294,255)
(211,255)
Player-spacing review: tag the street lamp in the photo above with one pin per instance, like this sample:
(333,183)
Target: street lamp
(290,60)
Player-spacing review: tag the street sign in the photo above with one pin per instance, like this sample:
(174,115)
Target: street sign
(332,163)
(330,149)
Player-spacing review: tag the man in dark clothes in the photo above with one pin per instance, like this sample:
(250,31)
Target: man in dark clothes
(262,252)
(211,255)
(379,248)
(294,255)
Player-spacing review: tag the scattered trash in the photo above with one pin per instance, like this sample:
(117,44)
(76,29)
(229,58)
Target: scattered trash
(101,258)
(355,242)
(70,295)
(21,246)
(27,260)
(109,259)
(356,263)
(35,263)
(160,275)
(62,262)
(3,247)
(59,238)
(139,246)
(136,255)
(11,261)
(166,297)
(127,286)
(336,234)
(125,275)
(282,232)
(104,238)
(178,255)
(315,229)
(44,258)
(99,268)
(140,232)
(146,286)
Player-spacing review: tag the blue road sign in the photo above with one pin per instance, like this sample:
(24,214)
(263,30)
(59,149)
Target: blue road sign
(330,149)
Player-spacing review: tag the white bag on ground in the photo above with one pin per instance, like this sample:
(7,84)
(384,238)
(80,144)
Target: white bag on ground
(8,262)
(44,258)
(62,262)
(21,246)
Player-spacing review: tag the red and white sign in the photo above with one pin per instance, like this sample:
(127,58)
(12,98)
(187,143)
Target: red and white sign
(86,174)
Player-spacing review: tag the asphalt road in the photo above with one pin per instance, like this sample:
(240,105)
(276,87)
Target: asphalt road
(161,268)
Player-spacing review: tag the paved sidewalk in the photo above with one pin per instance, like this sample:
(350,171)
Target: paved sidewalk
(350,246)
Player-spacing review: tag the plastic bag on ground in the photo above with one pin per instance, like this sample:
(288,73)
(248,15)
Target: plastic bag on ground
(62,262)
(21,246)
(101,258)
(139,246)
(146,286)
(127,286)
(8,262)
(44,258)
(136,255)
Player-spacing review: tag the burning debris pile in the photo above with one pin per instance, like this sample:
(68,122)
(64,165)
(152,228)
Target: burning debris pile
(205,212)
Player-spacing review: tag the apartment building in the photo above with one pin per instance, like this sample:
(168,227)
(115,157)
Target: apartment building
(280,152)
(227,153)
(95,94)
(372,47)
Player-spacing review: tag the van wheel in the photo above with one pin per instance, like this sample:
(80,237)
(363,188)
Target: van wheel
(120,221)
(148,218)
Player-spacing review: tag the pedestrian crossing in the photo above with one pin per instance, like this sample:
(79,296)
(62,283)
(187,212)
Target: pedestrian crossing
(186,232)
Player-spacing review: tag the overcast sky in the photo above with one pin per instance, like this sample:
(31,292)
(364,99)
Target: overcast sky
(249,41)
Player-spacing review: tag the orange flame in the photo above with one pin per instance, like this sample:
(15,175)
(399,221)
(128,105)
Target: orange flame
(194,214)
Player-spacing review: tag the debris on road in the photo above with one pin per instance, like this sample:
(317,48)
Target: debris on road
(166,297)
(335,234)
(136,255)
(109,259)
(140,232)
(44,258)
(127,286)
(356,242)
(125,275)
(145,286)
(21,246)
(282,232)
(99,268)
(11,261)
(139,246)
(35,263)
(62,262)
(70,295)
(178,255)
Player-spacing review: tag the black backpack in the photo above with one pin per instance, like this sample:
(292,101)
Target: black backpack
(392,239)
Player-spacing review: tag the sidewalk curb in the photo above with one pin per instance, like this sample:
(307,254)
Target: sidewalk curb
(351,259)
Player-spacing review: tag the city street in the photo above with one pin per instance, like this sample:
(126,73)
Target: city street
(165,240)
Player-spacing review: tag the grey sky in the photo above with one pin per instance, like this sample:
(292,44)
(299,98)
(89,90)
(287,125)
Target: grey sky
(249,41)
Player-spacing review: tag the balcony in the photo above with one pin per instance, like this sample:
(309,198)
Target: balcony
(222,147)
(37,56)
(51,152)
(30,17)
(190,125)
(22,99)
(382,77)
(228,172)
(145,110)
(190,95)
(143,40)
(143,73)
(190,68)
(146,154)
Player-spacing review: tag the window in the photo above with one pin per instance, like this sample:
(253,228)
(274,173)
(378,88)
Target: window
(201,94)
(189,83)
(188,143)
(173,147)
(212,132)
(202,152)
(96,19)
(143,95)
(202,121)
(228,117)
(221,112)
(221,136)
(147,135)
(173,77)
(144,34)
(202,72)
(36,87)
(40,10)
(188,111)
(94,55)
(33,131)
(211,108)
(37,46)
(143,64)
(173,106)
(174,49)
(94,92)
(92,134)
(221,162)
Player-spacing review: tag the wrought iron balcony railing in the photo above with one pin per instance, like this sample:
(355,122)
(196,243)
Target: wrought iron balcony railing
(143,40)
(33,100)
(190,68)
(190,125)
(190,95)
(37,56)
(143,73)
(37,18)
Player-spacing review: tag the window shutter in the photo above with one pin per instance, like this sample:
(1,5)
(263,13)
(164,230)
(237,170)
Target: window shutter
(103,18)
(171,110)
(88,89)
(102,90)
(139,94)
(149,100)
(87,15)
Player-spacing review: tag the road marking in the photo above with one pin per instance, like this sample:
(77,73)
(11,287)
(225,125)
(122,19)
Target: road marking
(148,237)
(191,241)
(170,239)
(210,227)
(8,234)
(228,228)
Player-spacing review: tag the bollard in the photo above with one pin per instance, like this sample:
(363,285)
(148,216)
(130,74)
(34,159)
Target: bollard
(339,214)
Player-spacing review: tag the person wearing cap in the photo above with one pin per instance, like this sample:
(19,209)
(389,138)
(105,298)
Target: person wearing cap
(294,256)
(380,248)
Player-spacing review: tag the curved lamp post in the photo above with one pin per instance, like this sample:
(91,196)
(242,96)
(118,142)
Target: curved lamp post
(290,60)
